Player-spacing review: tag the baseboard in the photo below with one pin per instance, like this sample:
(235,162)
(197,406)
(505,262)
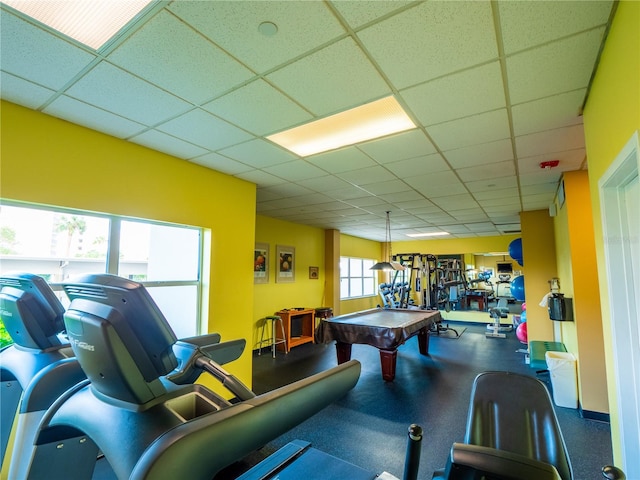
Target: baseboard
(590,415)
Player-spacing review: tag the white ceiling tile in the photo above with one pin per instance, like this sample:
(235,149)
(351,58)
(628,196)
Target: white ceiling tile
(350,194)
(221,164)
(261,178)
(33,54)
(431,40)
(286,190)
(526,24)
(553,68)
(413,167)
(455,202)
(332,79)
(482,154)
(418,203)
(569,160)
(388,186)
(166,143)
(397,147)
(78,112)
(366,176)
(403,196)
(170,54)
(492,184)
(361,13)
(458,95)
(22,92)
(318,199)
(295,171)
(434,184)
(342,160)
(480,226)
(119,92)
(496,193)
(327,183)
(365,202)
(266,195)
(258,153)
(456,229)
(552,112)
(543,176)
(488,171)
(557,140)
(204,129)
(471,217)
(502,210)
(496,202)
(477,129)
(302,26)
(259,108)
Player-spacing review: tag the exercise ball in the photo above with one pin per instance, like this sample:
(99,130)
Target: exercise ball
(517,288)
(524,306)
(523,316)
(515,251)
(521,332)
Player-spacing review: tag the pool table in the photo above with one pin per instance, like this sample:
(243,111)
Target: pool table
(383,328)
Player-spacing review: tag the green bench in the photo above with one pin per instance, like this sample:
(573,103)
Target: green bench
(537,350)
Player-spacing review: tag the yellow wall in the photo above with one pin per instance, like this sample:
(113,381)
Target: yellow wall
(578,275)
(309,244)
(611,115)
(539,258)
(49,161)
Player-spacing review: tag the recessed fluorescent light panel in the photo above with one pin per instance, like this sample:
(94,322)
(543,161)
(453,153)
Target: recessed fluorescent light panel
(92,23)
(373,120)
(430,234)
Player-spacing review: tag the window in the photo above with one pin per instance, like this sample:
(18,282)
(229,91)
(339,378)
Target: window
(356,278)
(59,244)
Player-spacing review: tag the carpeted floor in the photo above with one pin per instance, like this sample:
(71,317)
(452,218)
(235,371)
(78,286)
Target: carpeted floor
(368,427)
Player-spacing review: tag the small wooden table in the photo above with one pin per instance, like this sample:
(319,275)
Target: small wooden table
(303,322)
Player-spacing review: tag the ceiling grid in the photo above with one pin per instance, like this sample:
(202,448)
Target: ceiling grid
(494,87)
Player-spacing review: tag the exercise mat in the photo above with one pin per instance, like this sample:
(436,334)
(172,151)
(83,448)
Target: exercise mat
(449,333)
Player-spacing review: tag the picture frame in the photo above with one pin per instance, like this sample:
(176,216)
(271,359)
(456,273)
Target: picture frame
(261,263)
(314,273)
(285,264)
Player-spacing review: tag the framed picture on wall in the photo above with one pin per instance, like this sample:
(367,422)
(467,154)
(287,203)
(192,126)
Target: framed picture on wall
(286,263)
(314,273)
(261,263)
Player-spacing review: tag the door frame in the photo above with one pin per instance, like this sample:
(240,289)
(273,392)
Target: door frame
(623,299)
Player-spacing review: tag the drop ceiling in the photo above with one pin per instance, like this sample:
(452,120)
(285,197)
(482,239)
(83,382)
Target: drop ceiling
(495,88)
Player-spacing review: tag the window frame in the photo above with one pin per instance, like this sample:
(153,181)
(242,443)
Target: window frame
(113,249)
(373,275)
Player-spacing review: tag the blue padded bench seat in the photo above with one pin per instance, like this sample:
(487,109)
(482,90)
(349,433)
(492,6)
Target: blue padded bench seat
(537,350)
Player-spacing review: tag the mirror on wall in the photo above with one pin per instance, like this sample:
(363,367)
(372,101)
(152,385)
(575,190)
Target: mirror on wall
(448,282)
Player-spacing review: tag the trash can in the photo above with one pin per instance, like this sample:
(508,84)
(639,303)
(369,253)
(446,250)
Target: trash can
(562,369)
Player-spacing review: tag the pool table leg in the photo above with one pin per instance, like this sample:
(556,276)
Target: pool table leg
(423,341)
(343,350)
(388,364)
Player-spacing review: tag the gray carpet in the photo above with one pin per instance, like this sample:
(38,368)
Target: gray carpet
(368,427)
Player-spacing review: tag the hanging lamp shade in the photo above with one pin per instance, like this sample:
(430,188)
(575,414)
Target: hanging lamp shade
(387,264)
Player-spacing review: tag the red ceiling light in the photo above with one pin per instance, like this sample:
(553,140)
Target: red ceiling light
(549,164)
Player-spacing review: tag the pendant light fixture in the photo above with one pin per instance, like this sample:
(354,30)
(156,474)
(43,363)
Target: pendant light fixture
(387,264)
